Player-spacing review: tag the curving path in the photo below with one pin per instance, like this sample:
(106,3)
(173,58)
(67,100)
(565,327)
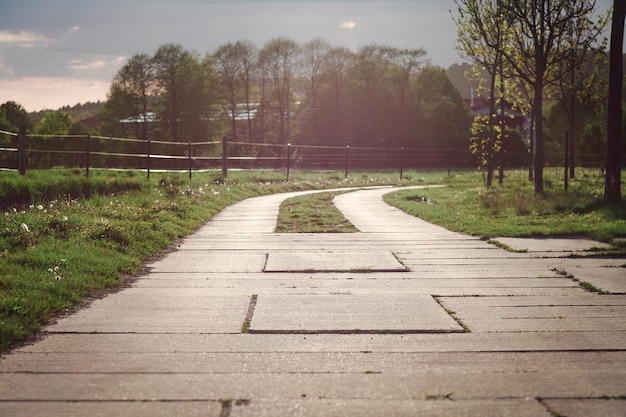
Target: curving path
(402,319)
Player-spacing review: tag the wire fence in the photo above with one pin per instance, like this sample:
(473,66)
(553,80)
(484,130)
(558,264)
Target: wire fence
(19,152)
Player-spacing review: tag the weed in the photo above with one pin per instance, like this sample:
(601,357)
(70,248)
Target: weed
(435,397)
(591,288)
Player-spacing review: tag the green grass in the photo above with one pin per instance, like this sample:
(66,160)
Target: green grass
(312,213)
(465,205)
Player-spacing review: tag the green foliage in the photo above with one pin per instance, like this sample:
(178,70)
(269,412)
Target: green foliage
(12,116)
(444,117)
(54,123)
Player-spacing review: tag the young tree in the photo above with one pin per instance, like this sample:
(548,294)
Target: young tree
(582,85)
(612,187)
(482,32)
(537,48)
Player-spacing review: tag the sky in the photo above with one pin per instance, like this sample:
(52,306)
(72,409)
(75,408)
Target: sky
(63,52)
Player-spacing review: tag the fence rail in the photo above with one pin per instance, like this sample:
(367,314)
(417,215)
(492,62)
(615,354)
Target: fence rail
(20,151)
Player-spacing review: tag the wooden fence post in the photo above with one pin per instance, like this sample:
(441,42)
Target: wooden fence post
(87,156)
(288,159)
(148,162)
(347,160)
(21,154)
(189,158)
(401,163)
(566,161)
(225,156)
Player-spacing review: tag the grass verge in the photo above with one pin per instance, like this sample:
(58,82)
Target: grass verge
(514,210)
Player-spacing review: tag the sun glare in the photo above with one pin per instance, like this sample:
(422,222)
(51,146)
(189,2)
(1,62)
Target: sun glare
(348,24)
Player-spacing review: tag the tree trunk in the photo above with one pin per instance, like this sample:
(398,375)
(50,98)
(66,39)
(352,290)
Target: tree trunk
(492,130)
(539,138)
(612,186)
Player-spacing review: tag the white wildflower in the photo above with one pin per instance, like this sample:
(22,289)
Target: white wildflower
(25,228)
(40,207)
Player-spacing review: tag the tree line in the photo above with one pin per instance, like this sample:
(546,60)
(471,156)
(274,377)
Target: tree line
(314,94)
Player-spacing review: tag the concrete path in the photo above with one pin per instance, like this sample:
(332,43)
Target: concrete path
(402,319)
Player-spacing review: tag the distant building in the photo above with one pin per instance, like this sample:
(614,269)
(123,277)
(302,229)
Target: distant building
(513,118)
(148,117)
(91,122)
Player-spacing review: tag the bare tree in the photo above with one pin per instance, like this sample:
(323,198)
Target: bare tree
(229,66)
(277,60)
(314,62)
(130,93)
(338,60)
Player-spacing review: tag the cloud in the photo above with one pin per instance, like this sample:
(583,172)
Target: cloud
(23,38)
(80,65)
(347,24)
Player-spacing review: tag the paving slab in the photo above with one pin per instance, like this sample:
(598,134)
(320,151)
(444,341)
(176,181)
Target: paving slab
(580,298)
(199,261)
(462,384)
(585,407)
(437,407)
(246,342)
(119,315)
(350,313)
(365,261)
(525,315)
(608,278)
(111,408)
(552,244)
(361,362)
